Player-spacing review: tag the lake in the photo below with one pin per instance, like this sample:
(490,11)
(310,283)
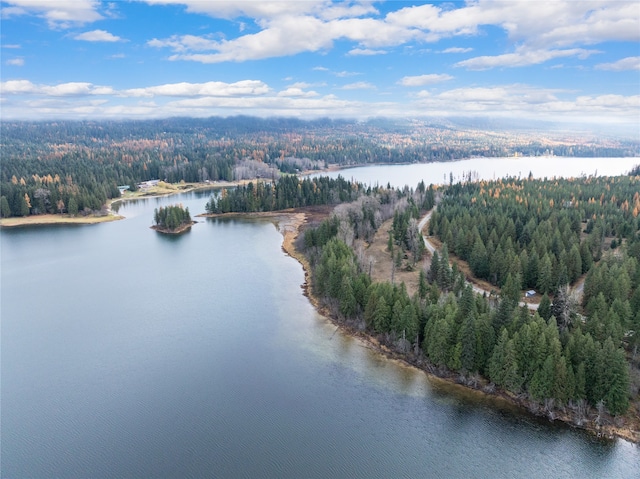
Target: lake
(127,353)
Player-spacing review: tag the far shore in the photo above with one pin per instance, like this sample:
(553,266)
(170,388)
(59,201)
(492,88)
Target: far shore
(166,189)
(161,190)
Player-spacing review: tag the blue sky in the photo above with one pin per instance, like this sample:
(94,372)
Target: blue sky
(571,61)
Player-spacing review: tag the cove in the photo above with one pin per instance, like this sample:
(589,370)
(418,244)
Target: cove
(131,354)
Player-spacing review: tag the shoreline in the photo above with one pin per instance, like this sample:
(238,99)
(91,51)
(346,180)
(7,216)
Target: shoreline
(289,224)
(52,219)
(178,231)
(64,219)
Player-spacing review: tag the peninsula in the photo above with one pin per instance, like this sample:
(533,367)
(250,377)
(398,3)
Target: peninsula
(367,270)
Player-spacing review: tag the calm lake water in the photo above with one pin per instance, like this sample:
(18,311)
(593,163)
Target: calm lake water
(126,353)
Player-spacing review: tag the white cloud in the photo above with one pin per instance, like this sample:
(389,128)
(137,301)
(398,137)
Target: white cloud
(303,85)
(541,24)
(361,85)
(244,87)
(253,9)
(98,36)
(16,62)
(58,13)
(365,52)
(421,80)
(525,101)
(522,57)
(286,36)
(22,99)
(184,89)
(457,50)
(629,63)
(12,46)
(16,87)
(345,74)
(542,30)
(297,92)
(185,43)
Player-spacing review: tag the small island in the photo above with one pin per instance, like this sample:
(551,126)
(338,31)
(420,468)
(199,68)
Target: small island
(173,219)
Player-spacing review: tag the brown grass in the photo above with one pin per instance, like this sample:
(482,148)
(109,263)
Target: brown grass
(383,264)
(39,220)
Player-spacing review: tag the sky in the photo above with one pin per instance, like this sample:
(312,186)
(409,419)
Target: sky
(562,60)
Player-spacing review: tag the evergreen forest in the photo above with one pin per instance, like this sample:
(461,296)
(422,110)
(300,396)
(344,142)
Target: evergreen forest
(74,167)
(576,356)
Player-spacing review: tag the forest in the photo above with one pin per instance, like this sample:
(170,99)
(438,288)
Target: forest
(575,357)
(540,233)
(287,192)
(74,167)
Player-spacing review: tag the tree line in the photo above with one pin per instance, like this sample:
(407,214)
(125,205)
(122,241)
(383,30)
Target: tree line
(287,192)
(93,158)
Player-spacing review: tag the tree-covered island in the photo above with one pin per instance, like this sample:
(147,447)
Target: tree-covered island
(173,219)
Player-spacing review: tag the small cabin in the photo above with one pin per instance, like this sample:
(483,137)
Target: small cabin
(530,294)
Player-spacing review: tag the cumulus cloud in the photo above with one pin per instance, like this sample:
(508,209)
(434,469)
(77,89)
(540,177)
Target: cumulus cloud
(98,36)
(629,63)
(421,80)
(290,28)
(14,87)
(297,92)
(253,9)
(58,14)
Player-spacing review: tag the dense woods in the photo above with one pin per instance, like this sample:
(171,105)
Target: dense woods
(75,167)
(287,192)
(570,357)
(537,233)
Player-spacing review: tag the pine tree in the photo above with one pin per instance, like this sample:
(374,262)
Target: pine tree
(381,318)
(544,308)
(467,341)
(545,275)
(5,210)
(498,358)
